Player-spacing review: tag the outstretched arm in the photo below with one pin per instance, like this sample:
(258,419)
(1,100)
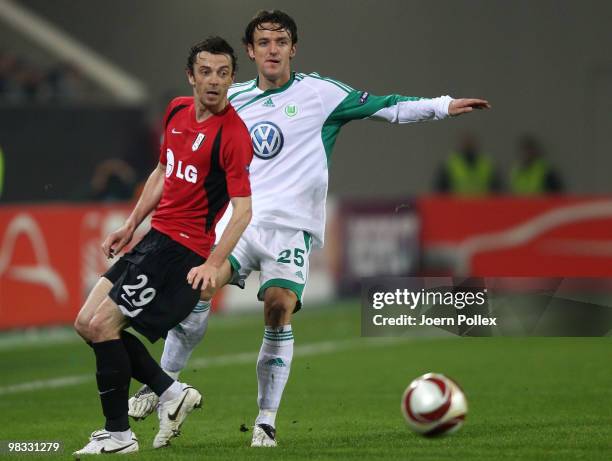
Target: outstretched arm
(395,108)
(149,198)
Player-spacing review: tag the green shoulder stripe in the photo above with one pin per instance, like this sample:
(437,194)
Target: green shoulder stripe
(342,86)
(338,83)
(246,90)
(238,85)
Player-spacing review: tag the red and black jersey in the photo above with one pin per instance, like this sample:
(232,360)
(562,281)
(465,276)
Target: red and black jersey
(206,163)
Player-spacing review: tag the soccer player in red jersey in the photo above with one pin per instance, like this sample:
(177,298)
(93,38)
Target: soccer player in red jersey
(204,164)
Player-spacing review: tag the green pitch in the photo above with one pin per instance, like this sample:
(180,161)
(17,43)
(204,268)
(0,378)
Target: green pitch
(532,398)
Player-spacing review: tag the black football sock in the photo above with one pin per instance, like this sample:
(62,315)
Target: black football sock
(144,367)
(113,376)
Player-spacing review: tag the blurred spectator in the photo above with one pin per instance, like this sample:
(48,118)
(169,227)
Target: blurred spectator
(22,82)
(6,67)
(532,174)
(9,68)
(1,171)
(467,171)
(32,84)
(114,180)
(66,83)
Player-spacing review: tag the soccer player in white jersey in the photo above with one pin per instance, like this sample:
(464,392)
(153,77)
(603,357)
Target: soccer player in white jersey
(293,120)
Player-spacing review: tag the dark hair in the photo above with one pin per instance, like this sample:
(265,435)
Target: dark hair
(214,45)
(281,19)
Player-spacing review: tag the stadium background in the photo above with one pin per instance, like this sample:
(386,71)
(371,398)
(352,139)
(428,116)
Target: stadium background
(546,69)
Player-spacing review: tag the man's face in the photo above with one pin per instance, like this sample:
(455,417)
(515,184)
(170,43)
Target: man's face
(272,51)
(211,77)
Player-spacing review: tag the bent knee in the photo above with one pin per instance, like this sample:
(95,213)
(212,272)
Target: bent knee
(81,325)
(99,330)
(278,311)
(207,294)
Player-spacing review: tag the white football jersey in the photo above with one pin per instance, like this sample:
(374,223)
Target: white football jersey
(293,130)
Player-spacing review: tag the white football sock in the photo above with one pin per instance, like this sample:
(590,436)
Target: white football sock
(124,436)
(172,392)
(173,374)
(266,417)
(273,366)
(183,339)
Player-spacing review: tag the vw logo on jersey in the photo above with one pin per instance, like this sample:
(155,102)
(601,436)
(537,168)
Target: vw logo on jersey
(267,139)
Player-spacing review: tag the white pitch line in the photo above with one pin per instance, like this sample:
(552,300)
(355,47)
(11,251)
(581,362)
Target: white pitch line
(45,384)
(325,347)
(304,350)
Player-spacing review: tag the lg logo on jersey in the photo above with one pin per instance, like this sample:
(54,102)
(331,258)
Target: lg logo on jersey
(189,173)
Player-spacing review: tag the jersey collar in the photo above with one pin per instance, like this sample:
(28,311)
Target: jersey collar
(276,90)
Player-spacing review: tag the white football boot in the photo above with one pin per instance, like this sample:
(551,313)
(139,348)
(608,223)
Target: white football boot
(102,442)
(172,415)
(143,403)
(264,435)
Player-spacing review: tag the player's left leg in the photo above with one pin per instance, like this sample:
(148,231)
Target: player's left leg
(273,362)
(284,273)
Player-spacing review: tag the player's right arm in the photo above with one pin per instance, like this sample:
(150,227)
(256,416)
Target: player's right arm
(208,273)
(344,104)
(235,161)
(149,198)
(151,193)
(396,108)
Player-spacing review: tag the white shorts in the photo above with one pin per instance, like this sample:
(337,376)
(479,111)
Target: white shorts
(281,256)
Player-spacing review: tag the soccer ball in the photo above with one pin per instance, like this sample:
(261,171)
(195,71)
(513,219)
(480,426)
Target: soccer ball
(434,404)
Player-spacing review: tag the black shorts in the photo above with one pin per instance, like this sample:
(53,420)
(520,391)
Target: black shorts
(150,284)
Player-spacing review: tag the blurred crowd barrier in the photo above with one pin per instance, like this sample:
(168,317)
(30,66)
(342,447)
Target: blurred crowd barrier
(556,236)
(50,255)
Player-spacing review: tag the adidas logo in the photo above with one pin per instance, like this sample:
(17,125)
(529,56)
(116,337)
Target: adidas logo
(269,103)
(277,362)
(300,275)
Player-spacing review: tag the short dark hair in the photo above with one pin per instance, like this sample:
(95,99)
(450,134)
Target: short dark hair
(282,20)
(214,45)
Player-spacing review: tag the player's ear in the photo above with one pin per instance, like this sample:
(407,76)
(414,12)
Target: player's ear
(293,51)
(190,77)
(250,51)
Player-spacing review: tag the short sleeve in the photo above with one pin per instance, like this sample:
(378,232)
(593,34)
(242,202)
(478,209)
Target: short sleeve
(237,157)
(162,150)
(172,109)
(162,144)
